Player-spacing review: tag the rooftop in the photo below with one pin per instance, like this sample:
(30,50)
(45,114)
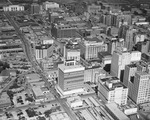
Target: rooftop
(71,68)
(37,91)
(4,99)
(94,39)
(132,65)
(113,108)
(141,73)
(74,99)
(33,77)
(110,79)
(111,83)
(43,47)
(7,72)
(72,46)
(103,54)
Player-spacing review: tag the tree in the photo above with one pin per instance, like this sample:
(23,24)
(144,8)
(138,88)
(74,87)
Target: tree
(10,94)
(30,99)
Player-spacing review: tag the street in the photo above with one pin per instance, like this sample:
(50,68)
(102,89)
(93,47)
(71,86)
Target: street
(27,49)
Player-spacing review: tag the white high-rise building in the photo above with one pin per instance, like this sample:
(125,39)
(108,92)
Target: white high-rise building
(50,5)
(72,52)
(91,46)
(137,79)
(71,78)
(111,90)
(121,57)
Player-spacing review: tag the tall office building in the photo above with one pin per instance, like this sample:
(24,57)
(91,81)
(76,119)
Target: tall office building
(120,58)
(42,51)
(115,20)
(122,31)
(35,8)
(129,37)
(123,19)
(137,79)
(71,78)
(141,88)
(112,43)
(110,90)
(144,46)
(129,76)
(91,46)
(64,31)
(72,51)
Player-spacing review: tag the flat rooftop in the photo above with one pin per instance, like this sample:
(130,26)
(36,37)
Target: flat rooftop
(94,39)
(4,99)
(113,108)
(71,68)
(110,79)
(115,85)
(33,77)
(72,46)
(114,81)
(132,65)
(140,73)
(37,91)
(103,54)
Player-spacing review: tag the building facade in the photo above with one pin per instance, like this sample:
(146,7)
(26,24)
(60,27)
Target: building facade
(70,77)
(50,5)
(91,47)
(129,76)
(121,58)
(94,8)
(42,51)
(13,8)
(112,90)
(92,75)
(64,31)
(35,8)
(72,52)
(140,84)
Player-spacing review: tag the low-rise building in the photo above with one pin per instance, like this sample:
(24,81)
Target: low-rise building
(74,102)
(47,63)
(38,94)
(60,116)
(94,8)
(33,77)
(50,5)
(13,8)
(115,112)
(52,74)
(4,100)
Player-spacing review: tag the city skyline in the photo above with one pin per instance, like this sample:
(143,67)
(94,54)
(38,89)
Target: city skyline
(74,60)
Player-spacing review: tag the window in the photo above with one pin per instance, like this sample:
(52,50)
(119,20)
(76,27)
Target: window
(121,75)
(132,79)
